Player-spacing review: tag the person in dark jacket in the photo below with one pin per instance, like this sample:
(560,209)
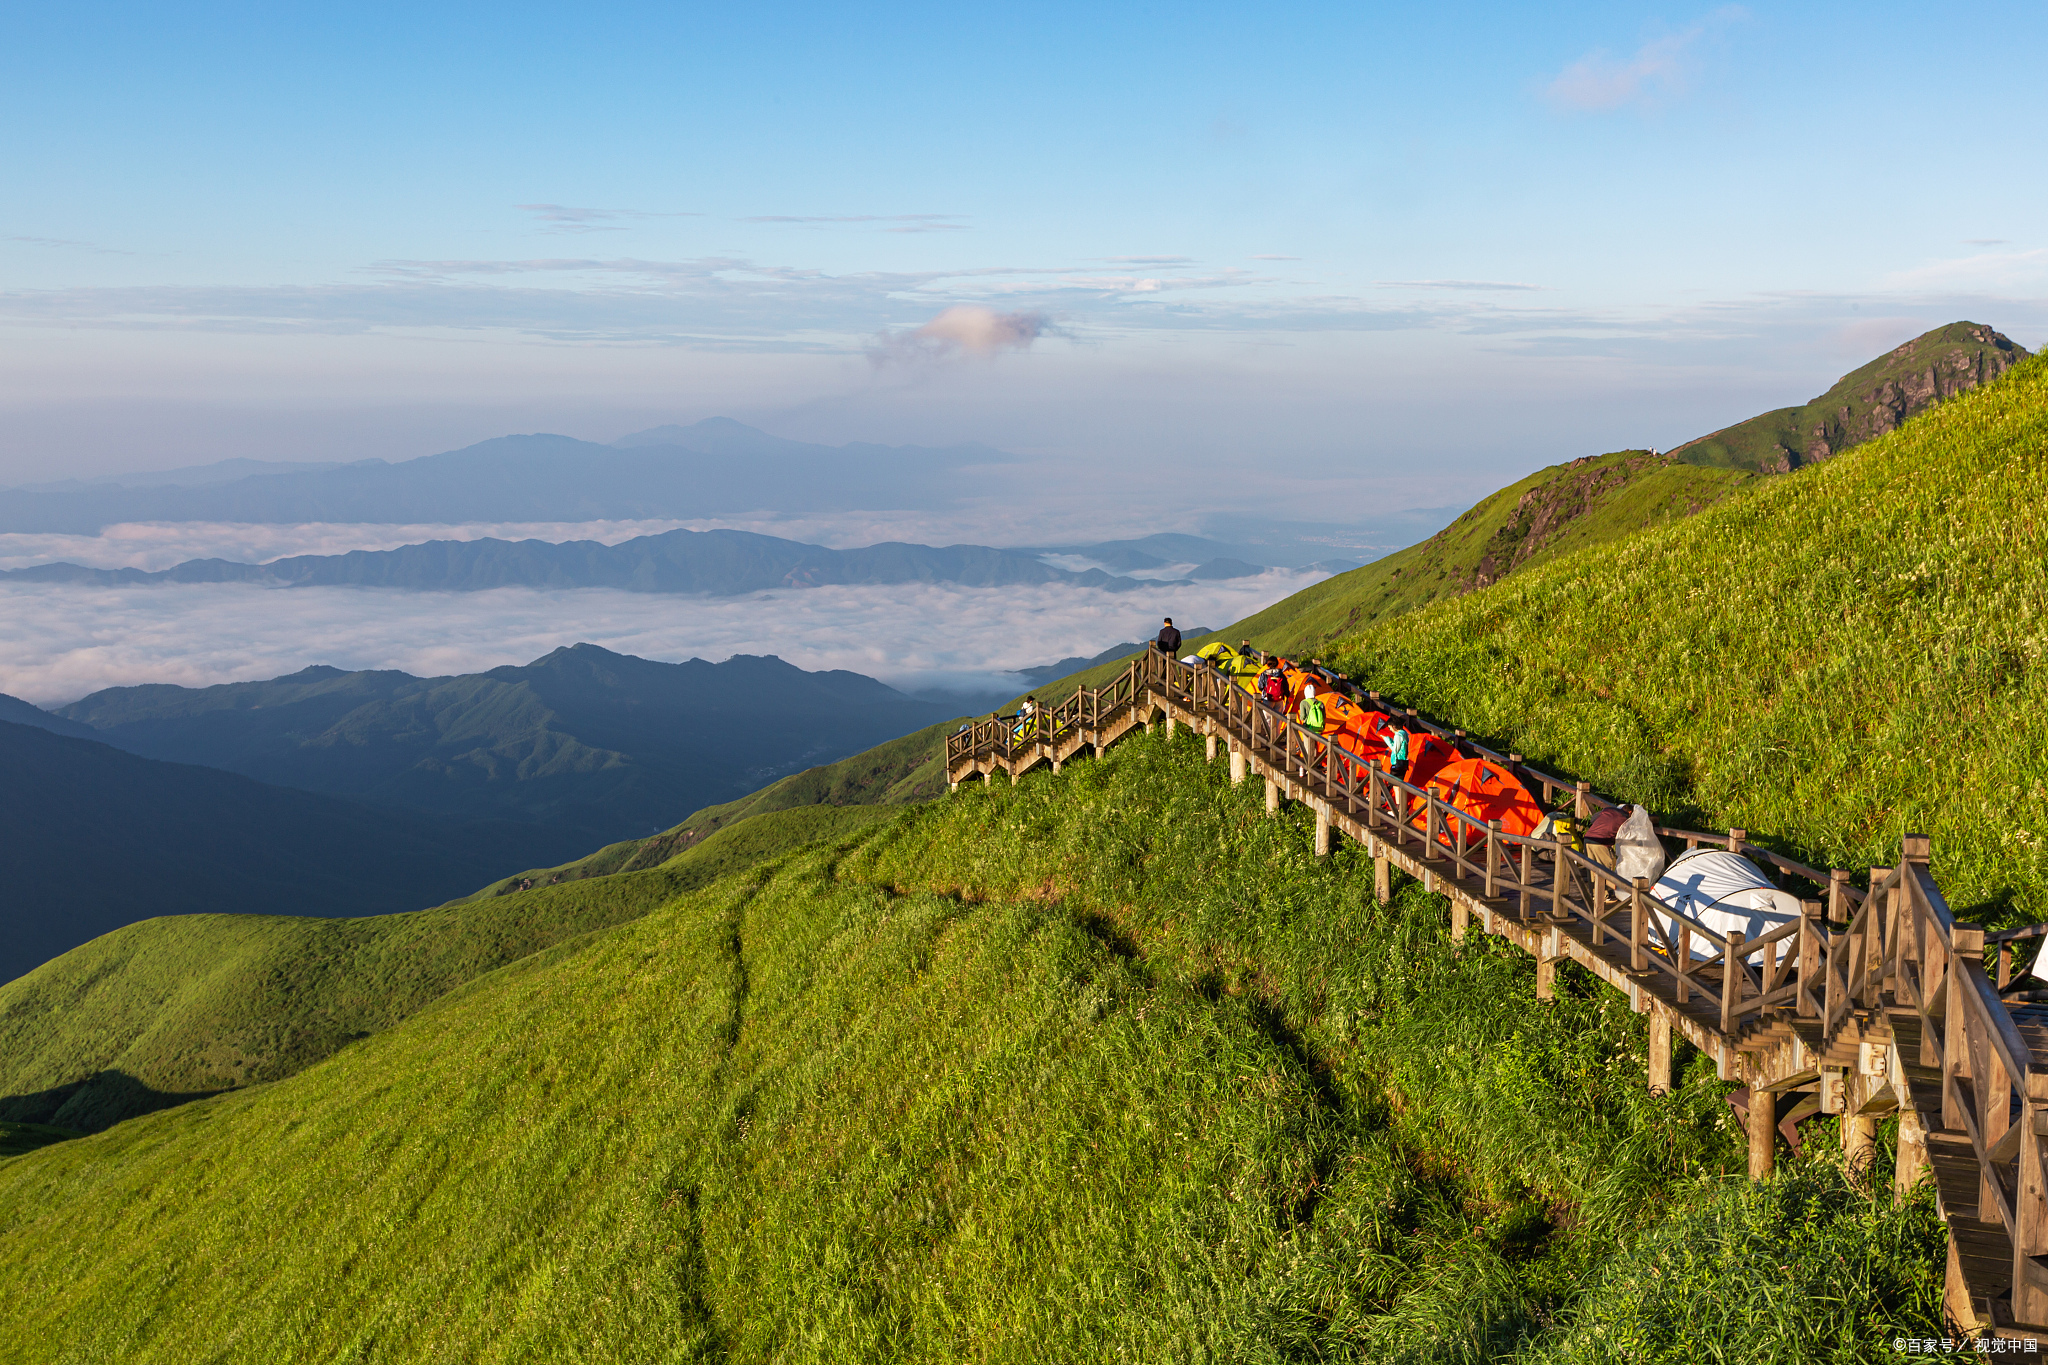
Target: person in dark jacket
(1169,640)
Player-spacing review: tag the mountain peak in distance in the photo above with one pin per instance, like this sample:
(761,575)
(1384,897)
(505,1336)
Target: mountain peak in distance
(712,430)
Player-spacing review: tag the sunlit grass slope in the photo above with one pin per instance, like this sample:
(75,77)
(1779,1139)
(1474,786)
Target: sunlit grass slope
(160,1011)
(1096,1067)
(1832,660)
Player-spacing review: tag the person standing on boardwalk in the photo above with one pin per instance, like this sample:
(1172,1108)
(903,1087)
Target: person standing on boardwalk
(1600,832)
(1397,751)
(1168,642)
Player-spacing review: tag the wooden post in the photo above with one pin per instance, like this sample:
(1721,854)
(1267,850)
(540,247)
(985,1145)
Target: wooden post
(1731,979)
(1684,962)
(1873,937)
(1838,896)
(1639,937)
(1763,1132)
(1209,749)
(1912,1161)
(1461,919)
(1236,765)
(1660,1052)
(2030,1203)
(1810,931)
(1383,879)
(1965,944)
(1560,877)
(1735,838)
(1492,859)
(1546,974)
(1171,724)
(1582,805)
(1322,830)
(1859,1133)
(1272,797)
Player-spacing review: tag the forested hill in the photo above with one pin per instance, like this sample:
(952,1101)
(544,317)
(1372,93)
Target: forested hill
(97,838)
(593,745)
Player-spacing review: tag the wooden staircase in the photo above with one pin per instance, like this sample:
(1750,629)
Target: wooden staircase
(1876,1001)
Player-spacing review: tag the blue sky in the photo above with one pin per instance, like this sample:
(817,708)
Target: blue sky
(1427,247)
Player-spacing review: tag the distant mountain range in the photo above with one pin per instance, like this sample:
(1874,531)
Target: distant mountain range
(599,746)
(711,468)
(716,563)
(331,793)
(719,563)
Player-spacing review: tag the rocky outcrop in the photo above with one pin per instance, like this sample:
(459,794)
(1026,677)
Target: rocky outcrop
(1543,512)
(1916,376)
(1864,404)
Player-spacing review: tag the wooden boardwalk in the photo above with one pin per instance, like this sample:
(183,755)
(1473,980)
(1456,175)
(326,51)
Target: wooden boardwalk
(1874,1001)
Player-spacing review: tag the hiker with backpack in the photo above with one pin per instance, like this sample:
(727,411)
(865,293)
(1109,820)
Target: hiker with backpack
(1273,684)
(1168,642)
(1026,713)
(1311,713)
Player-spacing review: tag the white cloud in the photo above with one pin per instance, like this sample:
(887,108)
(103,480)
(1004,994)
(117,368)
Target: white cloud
(964,328)
(1654,73)
(62,642)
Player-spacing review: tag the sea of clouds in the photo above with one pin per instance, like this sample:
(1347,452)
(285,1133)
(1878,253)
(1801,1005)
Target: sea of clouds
(59,642)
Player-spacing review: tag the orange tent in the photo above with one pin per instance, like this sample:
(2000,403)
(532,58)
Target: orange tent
(1427,756)
(1339,711)
(1486,791)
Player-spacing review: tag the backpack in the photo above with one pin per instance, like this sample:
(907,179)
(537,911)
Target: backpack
(1276,689)
(1312,713)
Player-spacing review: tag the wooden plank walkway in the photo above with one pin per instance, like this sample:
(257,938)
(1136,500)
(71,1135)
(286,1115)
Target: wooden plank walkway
(1875,1001)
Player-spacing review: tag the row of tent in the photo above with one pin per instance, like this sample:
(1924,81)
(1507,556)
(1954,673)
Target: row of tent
(1717,888)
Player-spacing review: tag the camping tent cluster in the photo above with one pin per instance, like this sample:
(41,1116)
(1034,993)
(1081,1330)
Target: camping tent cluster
(1715,890)
(1363,737)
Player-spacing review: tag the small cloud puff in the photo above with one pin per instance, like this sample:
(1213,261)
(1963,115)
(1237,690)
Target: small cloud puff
(1657,71)
(968,329)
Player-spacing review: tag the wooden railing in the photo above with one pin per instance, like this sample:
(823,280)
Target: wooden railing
(1841,970)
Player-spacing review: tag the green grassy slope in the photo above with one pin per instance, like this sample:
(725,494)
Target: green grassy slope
(172,1008)
(1158,1084)
(1865,403)
(812,804)
(1833,659)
